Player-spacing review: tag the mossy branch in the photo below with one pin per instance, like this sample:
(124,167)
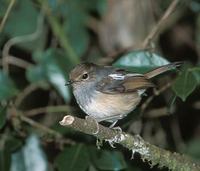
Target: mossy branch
(148,152)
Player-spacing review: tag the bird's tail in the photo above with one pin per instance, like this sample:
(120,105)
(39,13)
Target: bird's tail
(162,69)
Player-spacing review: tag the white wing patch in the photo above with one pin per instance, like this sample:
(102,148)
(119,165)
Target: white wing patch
(141,91)
(122,77)
(117,76)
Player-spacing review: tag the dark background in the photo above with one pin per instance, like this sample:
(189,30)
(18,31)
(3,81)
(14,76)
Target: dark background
(42,40)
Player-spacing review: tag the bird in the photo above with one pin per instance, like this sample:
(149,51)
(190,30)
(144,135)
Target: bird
(108,93)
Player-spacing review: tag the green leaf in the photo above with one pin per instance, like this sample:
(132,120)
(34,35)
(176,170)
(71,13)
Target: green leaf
(134,168)
(192,148)
(7,88)
(185,84)
(74,158)
(79,39)
(23,21)
(23,17)
(196,72)
(53,68)
(101,6)
(140,61)
(109,160)
(3,7)
(30,158)
(37,74)
(76,32)
(5,158)
(10,144)
(2,116)
(76,14)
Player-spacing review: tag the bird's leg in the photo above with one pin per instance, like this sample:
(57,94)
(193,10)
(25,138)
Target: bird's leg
(113,124)
(116,128)
(99,142)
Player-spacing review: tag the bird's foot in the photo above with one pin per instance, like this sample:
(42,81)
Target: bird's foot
(99,143)
(118,129)
(111,142)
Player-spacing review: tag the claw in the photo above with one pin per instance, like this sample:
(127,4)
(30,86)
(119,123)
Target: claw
(132,154)
(99,143)
(113,124)
(117,129)
(111,144)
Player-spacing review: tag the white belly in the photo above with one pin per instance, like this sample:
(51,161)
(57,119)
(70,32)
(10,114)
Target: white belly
(111,107)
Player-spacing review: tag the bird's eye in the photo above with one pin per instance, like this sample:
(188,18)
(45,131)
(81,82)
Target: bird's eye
(84,76)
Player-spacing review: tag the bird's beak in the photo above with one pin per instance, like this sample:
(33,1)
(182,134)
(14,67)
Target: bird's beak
(68,83)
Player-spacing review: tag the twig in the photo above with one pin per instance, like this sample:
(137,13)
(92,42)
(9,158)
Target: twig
(150,37)
(59,33)
(12,2)
(20,39)
(156,113)
(43,128)
(154,32)
(48,109)
(154,155)
(17,62)
(176,133)
(196,105)
(30,88)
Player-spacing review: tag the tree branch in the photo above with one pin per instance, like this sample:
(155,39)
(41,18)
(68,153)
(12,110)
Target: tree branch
(149,38)
(29,89)
(20,39)
(2,24)
(154,155)
(48,109)
(154,32)
(156,93)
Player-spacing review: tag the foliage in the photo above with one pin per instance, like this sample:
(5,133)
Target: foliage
(52,36)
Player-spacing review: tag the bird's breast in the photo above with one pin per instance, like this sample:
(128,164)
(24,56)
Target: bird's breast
(111,107)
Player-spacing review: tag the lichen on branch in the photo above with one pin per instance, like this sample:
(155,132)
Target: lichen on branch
(148,152)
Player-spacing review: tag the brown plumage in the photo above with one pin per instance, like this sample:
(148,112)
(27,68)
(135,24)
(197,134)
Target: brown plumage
(109,94)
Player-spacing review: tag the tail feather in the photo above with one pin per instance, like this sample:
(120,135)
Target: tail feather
(163,69)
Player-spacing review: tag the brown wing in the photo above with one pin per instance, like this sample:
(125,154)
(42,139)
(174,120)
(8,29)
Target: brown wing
(128,84)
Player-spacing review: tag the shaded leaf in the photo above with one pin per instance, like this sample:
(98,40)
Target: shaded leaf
(7,88)
(192,148)
(134,168)
(185,84)
(76,14)
(37,74)
(10,145)
(30,158)
(79,39)
(75,29)
(3,7)
(5,158)
(101,6)
(53,68)
(109,160)
(140,61)
(24,17)
(2,116)
(196,72)
(23,21)
(73,159)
